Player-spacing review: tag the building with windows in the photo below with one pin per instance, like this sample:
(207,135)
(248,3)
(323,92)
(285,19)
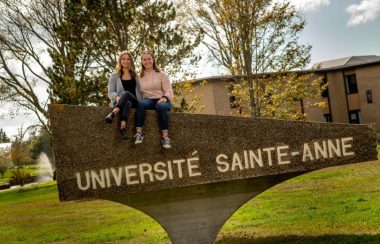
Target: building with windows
(352,96)
(353,91)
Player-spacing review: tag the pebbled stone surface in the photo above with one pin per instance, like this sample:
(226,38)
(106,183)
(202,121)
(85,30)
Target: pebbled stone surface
(83,142)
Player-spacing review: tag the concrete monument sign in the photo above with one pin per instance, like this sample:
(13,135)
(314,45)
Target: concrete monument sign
(216,164)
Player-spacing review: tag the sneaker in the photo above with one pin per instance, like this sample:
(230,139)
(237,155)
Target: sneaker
(166,142)
(138,138)
(110,117)
(123,134)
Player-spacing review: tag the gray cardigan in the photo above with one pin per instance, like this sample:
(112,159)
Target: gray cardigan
(115,88)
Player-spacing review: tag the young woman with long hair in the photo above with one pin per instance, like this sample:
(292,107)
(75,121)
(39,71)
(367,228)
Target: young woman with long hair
(123,90)
(157,93)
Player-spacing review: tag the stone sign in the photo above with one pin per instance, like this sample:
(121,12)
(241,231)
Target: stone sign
(213,160)
(92,161)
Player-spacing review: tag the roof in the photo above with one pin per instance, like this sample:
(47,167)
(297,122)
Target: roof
(329,65)
(346,62)
(216,78)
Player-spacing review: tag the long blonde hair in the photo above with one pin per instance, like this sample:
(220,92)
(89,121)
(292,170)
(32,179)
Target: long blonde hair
(119,67)
(155,67)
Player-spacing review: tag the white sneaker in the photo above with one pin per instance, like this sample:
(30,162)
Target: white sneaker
(166,142)
(138,138)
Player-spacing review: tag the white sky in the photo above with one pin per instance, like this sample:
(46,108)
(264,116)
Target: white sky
(335,29)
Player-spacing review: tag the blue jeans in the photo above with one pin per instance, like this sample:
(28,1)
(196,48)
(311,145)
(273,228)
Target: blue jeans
(151,104)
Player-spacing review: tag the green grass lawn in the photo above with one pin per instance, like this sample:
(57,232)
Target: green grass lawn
(37,216)
(339,204)
(334,205)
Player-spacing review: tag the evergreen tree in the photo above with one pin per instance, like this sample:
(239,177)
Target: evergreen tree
(3,137)
(138,25)
(74,77)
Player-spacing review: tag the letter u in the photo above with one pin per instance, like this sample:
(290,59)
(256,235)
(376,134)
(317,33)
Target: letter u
(79,181)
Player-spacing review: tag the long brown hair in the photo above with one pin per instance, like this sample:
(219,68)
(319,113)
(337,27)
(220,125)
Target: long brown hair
(119,68)
(155,67)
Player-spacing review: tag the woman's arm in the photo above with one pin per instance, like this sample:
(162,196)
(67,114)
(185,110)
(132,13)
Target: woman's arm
(138,91)
(166,86)
(112,88)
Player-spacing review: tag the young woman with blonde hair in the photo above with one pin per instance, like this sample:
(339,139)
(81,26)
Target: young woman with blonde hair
(157,93)
(123,90)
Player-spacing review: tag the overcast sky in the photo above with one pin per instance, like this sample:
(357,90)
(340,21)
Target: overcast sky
(335,29)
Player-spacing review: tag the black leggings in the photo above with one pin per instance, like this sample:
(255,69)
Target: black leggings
(126,101)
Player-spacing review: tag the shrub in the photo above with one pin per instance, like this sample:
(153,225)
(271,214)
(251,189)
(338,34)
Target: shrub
(3,168)
(20,177)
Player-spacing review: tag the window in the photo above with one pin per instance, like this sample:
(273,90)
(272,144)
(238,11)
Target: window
(327,117)
(369,96)
(354,117)
(350,84)
(233,101)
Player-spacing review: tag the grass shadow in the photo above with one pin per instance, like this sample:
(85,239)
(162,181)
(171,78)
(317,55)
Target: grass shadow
(293,239)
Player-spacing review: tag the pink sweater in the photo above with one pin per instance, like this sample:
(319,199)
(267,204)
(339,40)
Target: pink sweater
(155,85)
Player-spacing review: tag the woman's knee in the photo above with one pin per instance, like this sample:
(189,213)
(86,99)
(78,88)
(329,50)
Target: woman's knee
(141,104)
(163,106)
(128,104)
(126,95)
(123,94)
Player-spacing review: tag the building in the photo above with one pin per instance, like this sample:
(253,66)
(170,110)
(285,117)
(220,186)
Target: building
(353,91)
(352,96)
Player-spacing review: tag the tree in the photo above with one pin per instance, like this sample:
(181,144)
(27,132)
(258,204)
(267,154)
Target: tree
(5,161)
(70,47)
(138,25)
(282,96)
(186,99)
(22,42)
(75,77)
(46,40)
(251,39)
(3,136)
(20,149)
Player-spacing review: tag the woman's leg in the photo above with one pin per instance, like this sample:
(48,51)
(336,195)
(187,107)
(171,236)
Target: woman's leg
(111,115)
(142,106)
(124,97)
(163,114)
(123,106)
(124,113)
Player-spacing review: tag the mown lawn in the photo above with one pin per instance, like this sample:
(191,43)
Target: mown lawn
(37,216)
(334,205)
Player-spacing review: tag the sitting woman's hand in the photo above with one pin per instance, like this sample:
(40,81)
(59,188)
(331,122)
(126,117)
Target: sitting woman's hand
(162,100)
